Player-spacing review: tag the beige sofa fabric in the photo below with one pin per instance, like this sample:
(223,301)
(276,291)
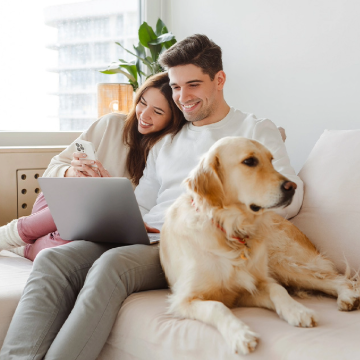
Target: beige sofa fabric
(14,272)
(330,214)
(144,331)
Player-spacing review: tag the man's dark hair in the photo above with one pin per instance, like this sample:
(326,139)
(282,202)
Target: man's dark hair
(198,50)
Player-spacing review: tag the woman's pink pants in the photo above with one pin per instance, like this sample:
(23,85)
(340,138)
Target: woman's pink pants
(38,230)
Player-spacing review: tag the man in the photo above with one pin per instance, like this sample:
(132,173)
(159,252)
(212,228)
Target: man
(47,321)
(197,79)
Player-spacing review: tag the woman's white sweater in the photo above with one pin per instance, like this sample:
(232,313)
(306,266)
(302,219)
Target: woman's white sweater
(106,134)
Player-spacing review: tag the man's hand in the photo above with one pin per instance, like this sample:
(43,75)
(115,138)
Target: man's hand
(151,229)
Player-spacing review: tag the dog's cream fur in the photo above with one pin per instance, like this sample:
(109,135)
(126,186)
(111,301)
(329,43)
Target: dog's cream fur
(218,251)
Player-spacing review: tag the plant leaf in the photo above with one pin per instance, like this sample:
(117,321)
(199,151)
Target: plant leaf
(155,51)
(131,68)
(124,62)
(146,62)
(157,42)
(167,44)
(125,49)
(141,54)
(170,43)
(134,84)
(140,50)
(162,39)
(118,71)
(163,49)
(159,27)
(146,34)
(112,66)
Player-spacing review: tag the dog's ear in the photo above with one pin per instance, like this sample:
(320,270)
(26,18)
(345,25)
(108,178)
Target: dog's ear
(206,180)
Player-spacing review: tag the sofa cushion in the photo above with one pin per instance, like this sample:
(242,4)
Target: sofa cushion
(330,214)
(14,272)
(143,330)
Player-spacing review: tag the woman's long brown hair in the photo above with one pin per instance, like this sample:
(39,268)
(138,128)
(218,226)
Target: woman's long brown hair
(139,144)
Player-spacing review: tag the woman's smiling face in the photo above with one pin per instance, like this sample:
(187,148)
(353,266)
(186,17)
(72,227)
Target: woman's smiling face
(152,111)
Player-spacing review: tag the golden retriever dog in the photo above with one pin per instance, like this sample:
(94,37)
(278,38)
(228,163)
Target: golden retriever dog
(222,246)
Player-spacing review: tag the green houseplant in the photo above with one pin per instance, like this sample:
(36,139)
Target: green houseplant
(151,44)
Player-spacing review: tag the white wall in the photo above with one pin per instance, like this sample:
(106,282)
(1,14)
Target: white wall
(295,62)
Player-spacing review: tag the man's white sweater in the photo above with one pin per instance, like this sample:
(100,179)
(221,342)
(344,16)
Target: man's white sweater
(171,160)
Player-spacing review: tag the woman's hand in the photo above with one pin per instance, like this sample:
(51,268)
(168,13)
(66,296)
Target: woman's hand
(76,169)
(81,167)
(98,171)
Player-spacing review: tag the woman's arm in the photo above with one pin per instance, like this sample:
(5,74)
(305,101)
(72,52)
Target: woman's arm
(106,136)
(60,165)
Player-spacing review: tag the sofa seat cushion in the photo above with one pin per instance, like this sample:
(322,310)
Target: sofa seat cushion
(143,330)
(14,272)
(330,214)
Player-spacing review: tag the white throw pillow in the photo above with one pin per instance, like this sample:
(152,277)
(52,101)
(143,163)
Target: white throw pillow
(330,214)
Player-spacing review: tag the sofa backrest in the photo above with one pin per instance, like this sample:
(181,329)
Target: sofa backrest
(330,214)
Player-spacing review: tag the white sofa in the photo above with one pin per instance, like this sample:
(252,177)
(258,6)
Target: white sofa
(330,216)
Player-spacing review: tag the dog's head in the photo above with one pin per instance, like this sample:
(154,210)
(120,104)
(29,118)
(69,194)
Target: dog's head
(239,170)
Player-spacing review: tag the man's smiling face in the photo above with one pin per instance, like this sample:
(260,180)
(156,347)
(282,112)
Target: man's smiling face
(194,92)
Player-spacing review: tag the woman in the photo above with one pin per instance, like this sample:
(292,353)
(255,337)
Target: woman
(122,145)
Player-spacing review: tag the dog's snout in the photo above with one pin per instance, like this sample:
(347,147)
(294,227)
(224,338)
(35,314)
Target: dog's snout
(288,191)
(288,186)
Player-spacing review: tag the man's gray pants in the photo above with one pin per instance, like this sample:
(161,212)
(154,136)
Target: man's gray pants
(73,296)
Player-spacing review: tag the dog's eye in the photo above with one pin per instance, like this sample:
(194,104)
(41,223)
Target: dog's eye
(251,162)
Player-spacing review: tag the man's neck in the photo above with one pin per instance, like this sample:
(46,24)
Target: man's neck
(216,116)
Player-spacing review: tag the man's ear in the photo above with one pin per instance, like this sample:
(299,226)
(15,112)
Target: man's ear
(220,79)
(206,180)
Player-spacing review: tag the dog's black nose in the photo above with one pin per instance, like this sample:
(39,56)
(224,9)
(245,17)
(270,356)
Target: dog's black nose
(288,191)
(288,186)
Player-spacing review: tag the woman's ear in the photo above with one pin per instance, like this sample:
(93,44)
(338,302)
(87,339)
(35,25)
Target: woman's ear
(206,180)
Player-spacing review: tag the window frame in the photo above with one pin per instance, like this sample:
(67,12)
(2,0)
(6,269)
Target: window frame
(37,138)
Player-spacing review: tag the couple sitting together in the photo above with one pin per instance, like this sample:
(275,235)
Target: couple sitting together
(75,291)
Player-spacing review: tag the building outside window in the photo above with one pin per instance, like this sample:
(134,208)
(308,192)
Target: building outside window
(80,40)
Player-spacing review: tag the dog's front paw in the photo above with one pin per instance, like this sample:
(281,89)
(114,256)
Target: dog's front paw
(348,300)
(243,341)
(299,315)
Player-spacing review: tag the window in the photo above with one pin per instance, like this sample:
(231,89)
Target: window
(49,66)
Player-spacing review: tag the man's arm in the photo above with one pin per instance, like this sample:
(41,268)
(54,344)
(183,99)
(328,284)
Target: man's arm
(268,134)
(147,191)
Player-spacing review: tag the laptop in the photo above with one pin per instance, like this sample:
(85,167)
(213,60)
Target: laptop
(96,209)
